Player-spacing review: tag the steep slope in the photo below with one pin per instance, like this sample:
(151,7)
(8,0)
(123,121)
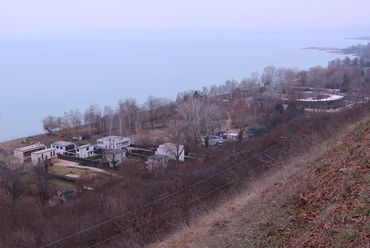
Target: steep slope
(321,199)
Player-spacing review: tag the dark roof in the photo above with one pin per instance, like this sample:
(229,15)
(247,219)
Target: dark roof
(68,191)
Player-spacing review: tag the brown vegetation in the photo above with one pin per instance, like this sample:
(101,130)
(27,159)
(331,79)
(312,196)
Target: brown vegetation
(139,210)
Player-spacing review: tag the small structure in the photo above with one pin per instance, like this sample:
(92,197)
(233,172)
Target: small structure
(172,151)
(257,131)
(65,147)
(157,161)
(24,153)
(113,142)
(85,151)
(116,155)
(62,196)
(47,156)
(232,136)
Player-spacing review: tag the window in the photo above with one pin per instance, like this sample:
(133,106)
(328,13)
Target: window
(78,150)
(87,148)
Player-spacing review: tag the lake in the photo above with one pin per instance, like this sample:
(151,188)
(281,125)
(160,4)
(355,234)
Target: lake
(41,76)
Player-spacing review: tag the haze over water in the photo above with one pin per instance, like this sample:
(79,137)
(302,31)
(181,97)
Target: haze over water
(49,75)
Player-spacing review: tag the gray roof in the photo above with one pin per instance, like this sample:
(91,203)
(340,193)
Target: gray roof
(63,143)
(30,148)
(68,191)
(84,146)
(116,151)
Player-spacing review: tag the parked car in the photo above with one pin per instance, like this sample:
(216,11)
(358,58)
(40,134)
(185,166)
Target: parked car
(257,131)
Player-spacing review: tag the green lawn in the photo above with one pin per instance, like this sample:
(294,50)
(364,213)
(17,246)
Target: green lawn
(62,170)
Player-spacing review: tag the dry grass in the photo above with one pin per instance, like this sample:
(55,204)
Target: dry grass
(278,209)
(62,170)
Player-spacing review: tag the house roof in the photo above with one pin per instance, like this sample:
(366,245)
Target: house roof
(116,151)
(44,151)
(29,148)
(68,191)
(114,137)
(84,146)
(63,143)
(329,98)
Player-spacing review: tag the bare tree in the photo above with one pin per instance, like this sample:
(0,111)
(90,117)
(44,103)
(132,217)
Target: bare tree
(108,118)
(180,136)
(151,105)
(213,90)
(12,180)
(51,124)
(89,118)
(230,87)
(190,112)
(165,108)
(267,78)
(317,76)
(44,187)
(131,108)
(241,114)
(66,124)
(211,117)
(76,119)
(120,117)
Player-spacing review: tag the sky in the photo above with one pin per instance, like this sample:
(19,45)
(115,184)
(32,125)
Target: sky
(19,17)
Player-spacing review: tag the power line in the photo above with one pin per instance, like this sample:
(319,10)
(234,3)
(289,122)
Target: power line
(160,199)
(198,198)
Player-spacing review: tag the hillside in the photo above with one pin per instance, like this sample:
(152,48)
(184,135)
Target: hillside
(318,200)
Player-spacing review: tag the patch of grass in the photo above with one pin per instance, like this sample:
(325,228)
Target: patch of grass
(61,184)
(367,212)
(62,170)
(349,235)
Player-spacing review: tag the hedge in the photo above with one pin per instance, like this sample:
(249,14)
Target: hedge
(86,161)
(64,178)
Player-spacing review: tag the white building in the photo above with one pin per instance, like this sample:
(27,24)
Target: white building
(113,142)
(49,155)
(24,153)
(171,150)
(232,136)
(64,147)
(85,151)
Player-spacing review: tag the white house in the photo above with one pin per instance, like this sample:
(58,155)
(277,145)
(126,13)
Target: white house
(171,150)
(85,151)
(49,155)
(24,153)
(64,147)
(113,142)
